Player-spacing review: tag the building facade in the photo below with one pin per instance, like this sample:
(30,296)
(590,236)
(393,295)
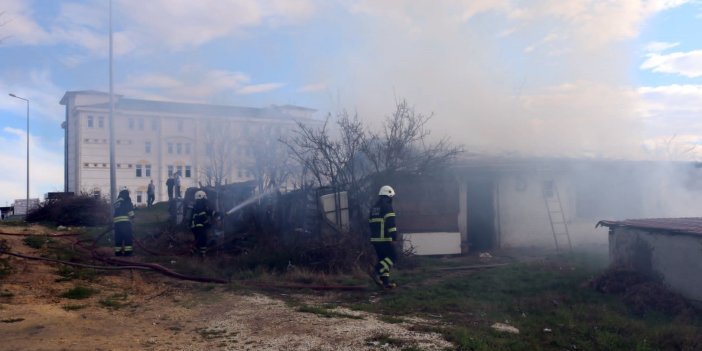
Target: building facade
(156,139)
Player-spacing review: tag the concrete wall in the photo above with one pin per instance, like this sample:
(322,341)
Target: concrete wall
(675,259)
(523,219)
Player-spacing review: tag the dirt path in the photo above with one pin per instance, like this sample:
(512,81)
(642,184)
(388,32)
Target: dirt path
(162,314)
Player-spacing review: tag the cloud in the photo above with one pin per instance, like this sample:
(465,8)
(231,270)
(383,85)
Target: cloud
(687,64)
(659,46)
(313,87)
(259,88)
(178,25)
(46,166)
(193,84)
(41,91)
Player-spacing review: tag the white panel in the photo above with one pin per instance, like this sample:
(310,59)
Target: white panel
(436,243)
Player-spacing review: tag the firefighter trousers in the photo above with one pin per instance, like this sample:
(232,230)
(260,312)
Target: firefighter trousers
(123,239)
(386,258)
(200,234)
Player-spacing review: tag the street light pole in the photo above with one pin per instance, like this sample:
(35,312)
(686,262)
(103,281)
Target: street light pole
(26,211)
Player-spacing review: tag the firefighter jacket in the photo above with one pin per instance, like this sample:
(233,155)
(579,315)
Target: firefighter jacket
(201,215)
(123,210)
(382,221)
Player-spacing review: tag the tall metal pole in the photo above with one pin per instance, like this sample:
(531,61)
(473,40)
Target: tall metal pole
(113,168)
(26,210)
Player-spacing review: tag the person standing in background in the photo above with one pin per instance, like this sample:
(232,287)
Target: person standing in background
(170,183)
(150,193)
(177,185)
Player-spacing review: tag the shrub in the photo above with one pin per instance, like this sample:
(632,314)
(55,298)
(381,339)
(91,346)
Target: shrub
(73,211)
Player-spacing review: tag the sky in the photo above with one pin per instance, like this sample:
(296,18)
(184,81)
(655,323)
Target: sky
(580,78)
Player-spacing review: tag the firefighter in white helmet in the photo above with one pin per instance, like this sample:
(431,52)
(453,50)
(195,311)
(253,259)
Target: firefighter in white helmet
(383,236)
(201,219)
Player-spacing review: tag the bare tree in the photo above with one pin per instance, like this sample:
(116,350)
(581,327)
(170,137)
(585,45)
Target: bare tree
(2,24)
(219,150)
(401,145)
(268,160)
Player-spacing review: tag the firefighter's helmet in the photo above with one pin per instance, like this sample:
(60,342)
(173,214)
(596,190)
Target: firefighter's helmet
(200,195)
(387,191)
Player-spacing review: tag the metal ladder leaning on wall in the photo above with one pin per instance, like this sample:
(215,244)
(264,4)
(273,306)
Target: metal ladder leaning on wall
(556,217)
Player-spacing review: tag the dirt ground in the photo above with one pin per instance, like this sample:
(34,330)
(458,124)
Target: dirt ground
(160,313)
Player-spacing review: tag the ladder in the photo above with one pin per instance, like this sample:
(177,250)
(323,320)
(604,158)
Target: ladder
(556,217)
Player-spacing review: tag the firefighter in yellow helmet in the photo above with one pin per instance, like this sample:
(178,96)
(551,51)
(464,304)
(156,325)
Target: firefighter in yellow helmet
(201,219)
(383,236)
(122,221)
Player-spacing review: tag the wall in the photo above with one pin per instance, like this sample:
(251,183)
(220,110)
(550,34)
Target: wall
(523,218)
(676,259)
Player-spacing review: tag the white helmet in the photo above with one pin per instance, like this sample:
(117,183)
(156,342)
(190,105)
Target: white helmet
(200,195)
(387,191)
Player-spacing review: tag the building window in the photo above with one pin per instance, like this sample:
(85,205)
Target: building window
(180,169)
(187,148)
(154,124)
(101,122)
(147,171)
(86,165)
(147,147)
(187,172)
(180,125)
(138,170)
(239,174)
(90,121)
(141,123)
(179,148)
(248,174)
(209,149)
(170,148)
(131,123)
(170,171)
(139,196)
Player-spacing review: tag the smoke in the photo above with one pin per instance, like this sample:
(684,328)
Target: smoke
(539,78)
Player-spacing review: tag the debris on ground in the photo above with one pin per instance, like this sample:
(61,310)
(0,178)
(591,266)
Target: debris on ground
(641,293)
(502,327)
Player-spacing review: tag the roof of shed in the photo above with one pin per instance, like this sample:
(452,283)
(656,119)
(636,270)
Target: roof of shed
(691,225)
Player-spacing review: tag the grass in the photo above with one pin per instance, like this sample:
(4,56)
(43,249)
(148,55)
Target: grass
(115,301)
(73,307)
(79,293)
(533,296)
(321,311)
(37,241)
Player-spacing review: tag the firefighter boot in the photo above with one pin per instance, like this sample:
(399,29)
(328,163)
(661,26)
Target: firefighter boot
(387,283)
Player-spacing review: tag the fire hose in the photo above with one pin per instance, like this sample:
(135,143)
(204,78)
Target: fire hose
(117,264)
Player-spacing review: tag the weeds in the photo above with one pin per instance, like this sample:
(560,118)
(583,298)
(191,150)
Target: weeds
(321,311)
(79,293)
(115,301)
(37,241)
(73,307)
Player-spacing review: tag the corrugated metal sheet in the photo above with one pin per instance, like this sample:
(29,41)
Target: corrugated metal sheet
(692,225)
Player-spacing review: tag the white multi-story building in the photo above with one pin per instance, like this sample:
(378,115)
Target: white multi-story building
(155,139)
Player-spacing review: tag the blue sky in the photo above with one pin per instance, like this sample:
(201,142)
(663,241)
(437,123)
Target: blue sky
(580,78)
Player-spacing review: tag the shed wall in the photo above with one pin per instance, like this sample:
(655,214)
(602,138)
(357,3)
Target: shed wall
(674,258)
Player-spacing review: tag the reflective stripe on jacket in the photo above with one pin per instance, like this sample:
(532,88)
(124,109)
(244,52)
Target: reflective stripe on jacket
(382,222)
(124,211)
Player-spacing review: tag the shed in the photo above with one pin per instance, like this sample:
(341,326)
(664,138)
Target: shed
(669,249)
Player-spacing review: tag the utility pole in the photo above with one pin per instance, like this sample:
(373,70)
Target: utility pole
(113,168)
(26,210)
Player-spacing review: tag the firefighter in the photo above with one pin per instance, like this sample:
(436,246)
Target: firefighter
(122,220)
(201,219)
(383,236)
